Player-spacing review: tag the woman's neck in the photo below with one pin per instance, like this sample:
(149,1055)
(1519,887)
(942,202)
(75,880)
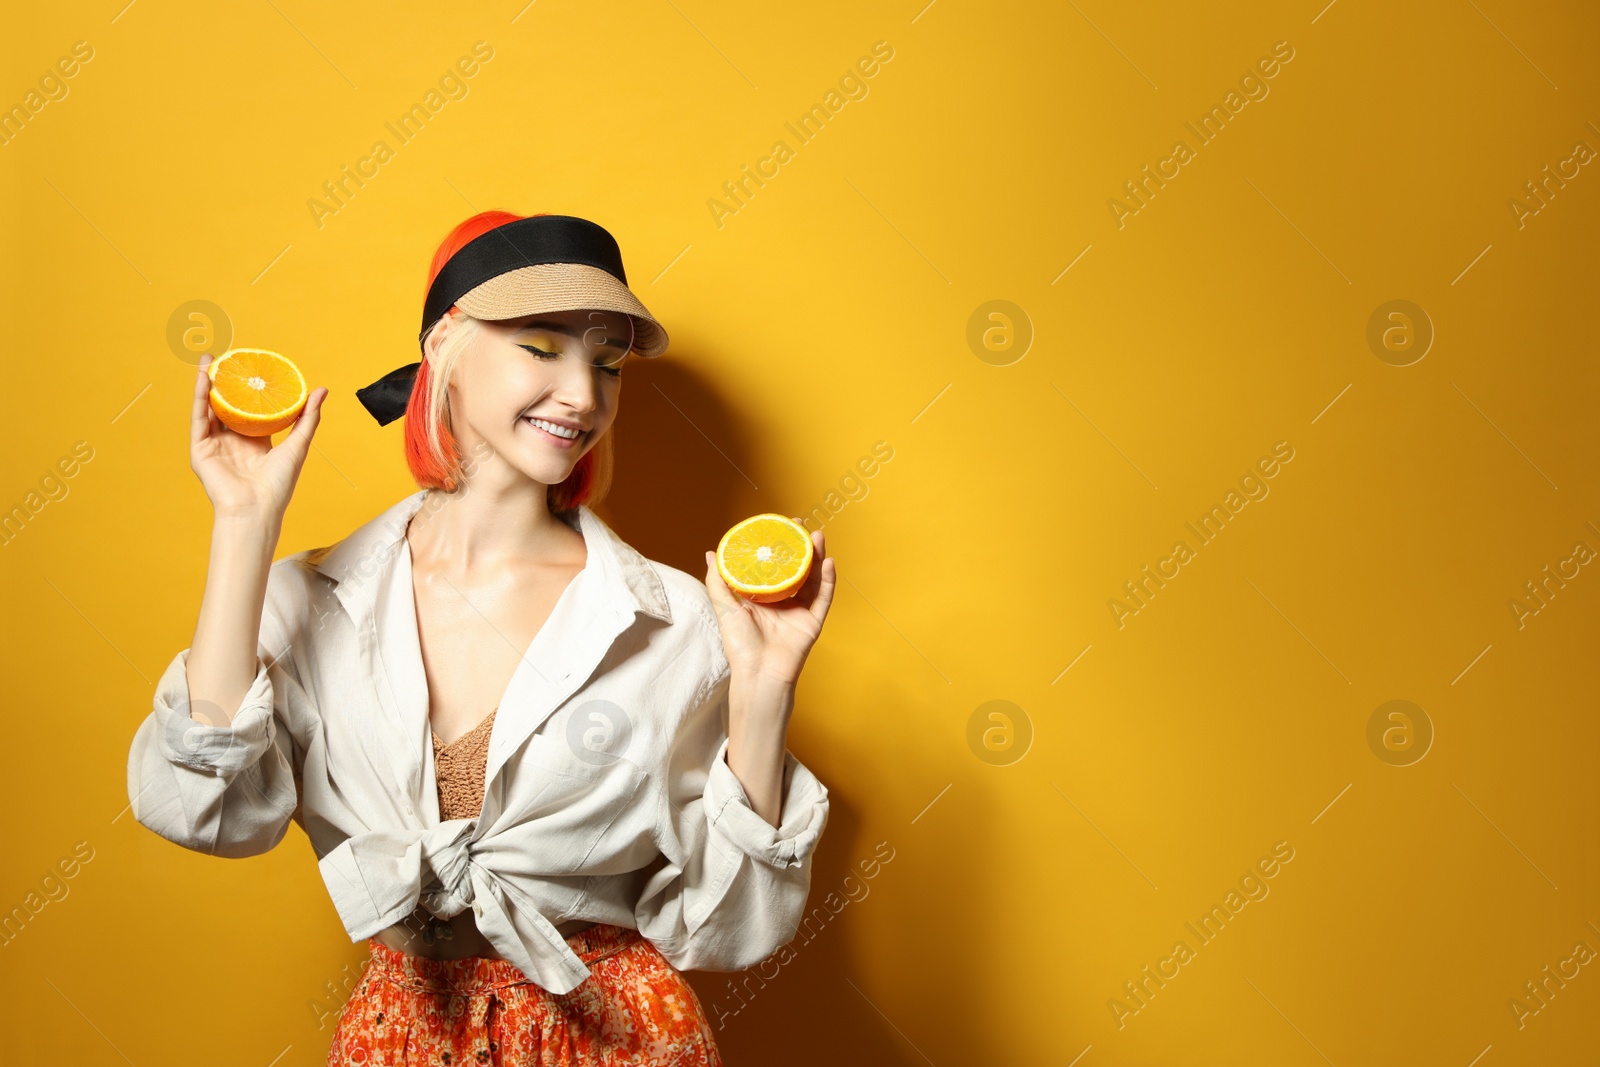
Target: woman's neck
(474,528)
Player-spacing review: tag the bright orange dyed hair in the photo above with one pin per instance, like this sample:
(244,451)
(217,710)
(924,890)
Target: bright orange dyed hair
(442,467)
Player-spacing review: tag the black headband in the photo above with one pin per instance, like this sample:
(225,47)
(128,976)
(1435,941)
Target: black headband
(523,243)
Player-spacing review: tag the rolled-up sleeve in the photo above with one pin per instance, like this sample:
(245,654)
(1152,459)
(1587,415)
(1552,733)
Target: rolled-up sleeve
(732,889)
(224,790)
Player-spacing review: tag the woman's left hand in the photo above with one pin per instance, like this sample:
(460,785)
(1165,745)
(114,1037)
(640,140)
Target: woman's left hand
(773,640)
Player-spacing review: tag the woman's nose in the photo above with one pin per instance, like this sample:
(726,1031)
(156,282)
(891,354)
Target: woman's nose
(578,387)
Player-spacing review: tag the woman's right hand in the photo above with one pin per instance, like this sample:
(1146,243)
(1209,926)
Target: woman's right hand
(247,475)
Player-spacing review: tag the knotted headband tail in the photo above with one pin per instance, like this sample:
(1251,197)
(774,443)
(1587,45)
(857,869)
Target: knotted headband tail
(386,399)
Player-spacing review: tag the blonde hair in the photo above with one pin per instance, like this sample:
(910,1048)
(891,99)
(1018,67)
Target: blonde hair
(435,456)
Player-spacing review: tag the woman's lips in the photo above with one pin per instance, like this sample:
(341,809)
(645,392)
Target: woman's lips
(554,439)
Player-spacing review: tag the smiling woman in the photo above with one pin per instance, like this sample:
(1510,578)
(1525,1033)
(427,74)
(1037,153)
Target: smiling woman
(530,761)
(599,338)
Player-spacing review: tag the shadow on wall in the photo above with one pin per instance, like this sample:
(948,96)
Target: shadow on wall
(883,911)
(677,484)
(686,470)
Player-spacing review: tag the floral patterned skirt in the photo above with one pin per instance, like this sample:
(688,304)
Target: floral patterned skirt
(634,1008)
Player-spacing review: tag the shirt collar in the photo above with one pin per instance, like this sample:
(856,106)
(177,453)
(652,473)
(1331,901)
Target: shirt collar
(629,580)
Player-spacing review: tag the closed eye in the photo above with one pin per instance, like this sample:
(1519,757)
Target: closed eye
(615,372)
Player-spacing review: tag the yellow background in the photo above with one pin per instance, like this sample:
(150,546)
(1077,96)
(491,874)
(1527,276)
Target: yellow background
(831,312)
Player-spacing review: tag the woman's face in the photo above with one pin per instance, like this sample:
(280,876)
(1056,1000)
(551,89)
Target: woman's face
(526,386)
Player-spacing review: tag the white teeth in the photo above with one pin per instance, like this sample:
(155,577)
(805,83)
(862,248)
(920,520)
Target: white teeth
(559,431)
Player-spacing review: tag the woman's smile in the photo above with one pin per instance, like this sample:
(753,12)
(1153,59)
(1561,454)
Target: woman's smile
(552,432)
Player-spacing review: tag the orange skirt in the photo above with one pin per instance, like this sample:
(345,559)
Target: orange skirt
(634,1008)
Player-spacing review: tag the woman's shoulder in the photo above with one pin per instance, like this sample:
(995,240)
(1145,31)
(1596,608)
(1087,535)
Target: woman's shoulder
(693,616)
(688,601)
(691,661)
(353,557)
(297,572)
(294,589)
(655,584)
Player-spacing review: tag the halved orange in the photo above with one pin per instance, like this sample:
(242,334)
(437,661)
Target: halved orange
(765,558)
(256,392)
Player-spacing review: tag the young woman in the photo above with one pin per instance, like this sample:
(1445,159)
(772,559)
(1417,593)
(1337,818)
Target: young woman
(541,774)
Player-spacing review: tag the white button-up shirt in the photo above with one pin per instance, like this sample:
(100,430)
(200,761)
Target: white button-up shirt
(608,796)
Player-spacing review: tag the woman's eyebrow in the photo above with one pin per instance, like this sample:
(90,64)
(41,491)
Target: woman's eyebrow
(559,327)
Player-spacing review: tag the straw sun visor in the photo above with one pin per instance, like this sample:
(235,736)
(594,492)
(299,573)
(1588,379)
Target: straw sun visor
(563,287)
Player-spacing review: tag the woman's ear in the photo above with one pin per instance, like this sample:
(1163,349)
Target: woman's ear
(447,325)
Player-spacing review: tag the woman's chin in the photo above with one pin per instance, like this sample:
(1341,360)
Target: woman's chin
(546,473)
(545,464)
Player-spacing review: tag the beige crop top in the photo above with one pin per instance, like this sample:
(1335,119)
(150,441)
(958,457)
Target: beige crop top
(459,768)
